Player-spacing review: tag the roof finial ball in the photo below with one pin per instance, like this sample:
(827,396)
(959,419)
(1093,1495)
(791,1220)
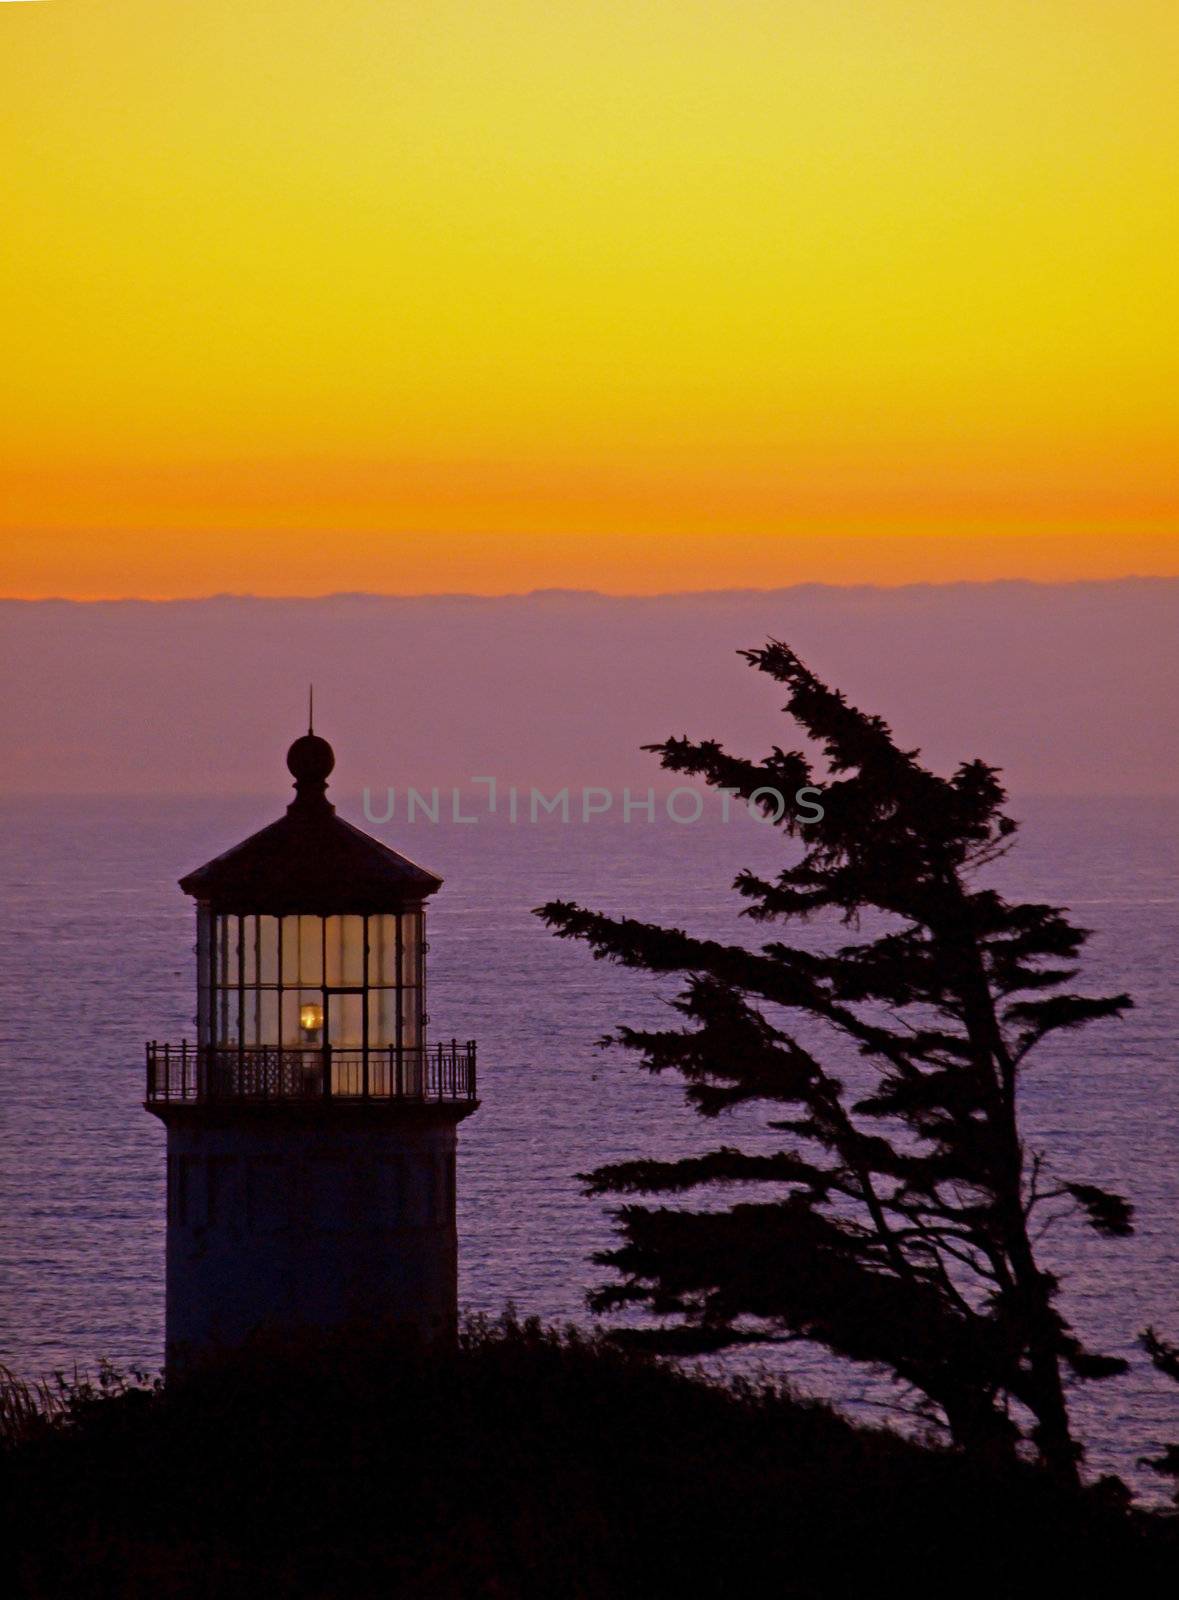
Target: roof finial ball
(310,761)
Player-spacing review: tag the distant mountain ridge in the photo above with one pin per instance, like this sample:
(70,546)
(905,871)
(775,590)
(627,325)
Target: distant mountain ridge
(560,593)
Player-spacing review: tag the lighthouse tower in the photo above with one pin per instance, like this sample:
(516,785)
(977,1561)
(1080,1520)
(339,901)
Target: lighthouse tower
(311,1128)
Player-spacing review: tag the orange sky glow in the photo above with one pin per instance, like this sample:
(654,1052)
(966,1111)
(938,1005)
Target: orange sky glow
(492,295)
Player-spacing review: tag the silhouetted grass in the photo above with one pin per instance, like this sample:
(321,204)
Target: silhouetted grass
(522,1463)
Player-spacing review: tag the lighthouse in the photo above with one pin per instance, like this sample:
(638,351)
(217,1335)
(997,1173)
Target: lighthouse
(311,1127)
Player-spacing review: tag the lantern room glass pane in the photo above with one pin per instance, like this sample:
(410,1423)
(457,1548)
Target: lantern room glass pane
(382,1018)
(382,949)
(310,950)
(344,951)
(302,950)
(289,1019)
(228,950)
(267,949)
(346,1021)
(411,1017)
(267,1013)
(411,948)
(249,1016)
(260,1017)
(354,950)
(290,950)
(204,1019)
(333,956)
(225,1016)
(249,949)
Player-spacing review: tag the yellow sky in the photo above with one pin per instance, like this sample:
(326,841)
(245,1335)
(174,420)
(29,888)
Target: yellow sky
(302,295)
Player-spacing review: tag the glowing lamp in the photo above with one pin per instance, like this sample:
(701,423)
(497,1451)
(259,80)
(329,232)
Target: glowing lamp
(311,1018)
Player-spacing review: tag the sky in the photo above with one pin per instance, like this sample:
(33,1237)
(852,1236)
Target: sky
(639,295)
(1069,688)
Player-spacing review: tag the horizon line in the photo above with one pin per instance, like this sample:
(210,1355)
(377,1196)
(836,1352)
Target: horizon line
(563,592)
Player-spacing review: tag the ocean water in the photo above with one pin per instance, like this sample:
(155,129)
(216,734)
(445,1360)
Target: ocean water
(96,956)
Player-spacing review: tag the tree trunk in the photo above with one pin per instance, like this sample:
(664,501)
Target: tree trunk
(1058,1450)
(978,1428)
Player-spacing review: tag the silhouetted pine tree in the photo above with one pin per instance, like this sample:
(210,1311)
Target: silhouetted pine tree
(899,1224)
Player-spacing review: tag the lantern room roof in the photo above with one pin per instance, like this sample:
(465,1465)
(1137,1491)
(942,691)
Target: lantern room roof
(310,860)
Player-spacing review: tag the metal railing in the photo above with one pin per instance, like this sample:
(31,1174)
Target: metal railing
(189,1072)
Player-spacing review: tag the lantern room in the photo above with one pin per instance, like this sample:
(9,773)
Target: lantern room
(311,965)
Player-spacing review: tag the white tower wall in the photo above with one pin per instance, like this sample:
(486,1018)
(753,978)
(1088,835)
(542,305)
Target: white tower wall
(278,1222)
